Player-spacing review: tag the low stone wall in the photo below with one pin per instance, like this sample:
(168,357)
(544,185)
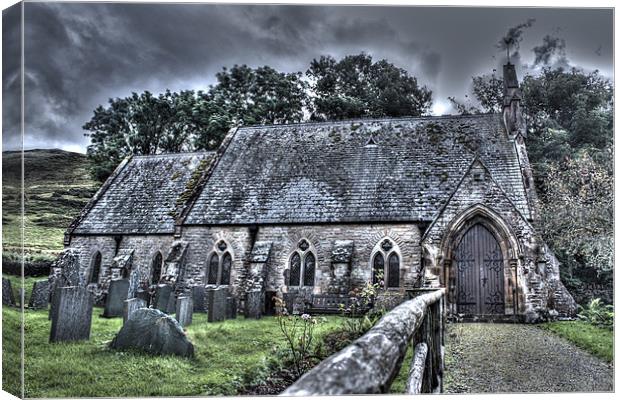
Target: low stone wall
(371,362)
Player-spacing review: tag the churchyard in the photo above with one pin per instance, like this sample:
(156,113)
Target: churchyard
(229,355)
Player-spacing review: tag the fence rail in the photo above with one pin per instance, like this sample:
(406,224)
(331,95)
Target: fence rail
(370,363)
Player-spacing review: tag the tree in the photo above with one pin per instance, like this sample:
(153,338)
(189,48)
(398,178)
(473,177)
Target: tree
(488,91)
(260,96)
(356,87)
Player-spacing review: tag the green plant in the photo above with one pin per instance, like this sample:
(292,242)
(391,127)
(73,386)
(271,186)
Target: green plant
(598,314)
(298,332)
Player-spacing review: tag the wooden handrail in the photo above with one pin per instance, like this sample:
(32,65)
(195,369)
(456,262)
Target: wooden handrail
(370,363)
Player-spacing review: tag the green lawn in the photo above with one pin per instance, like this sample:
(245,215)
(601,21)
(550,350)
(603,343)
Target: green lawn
(598,341)
(229,355)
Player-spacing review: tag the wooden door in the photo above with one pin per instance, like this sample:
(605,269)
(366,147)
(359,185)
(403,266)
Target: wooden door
(479,273)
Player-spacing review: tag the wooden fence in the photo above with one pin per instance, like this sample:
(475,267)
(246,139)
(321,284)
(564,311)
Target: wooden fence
(370,363)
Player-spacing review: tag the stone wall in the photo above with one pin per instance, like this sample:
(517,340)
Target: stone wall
(145,248)
(284,241)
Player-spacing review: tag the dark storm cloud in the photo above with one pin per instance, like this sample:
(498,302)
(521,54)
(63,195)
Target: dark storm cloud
(11,82)
(79,55)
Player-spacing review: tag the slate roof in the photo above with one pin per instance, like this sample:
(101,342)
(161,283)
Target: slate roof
(353,171)
(142,196)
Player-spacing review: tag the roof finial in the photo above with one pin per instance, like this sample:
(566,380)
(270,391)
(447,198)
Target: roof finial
(508,41)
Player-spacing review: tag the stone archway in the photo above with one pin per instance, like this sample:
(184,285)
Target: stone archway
(496,254)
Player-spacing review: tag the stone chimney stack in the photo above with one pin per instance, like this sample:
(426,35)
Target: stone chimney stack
(513,118)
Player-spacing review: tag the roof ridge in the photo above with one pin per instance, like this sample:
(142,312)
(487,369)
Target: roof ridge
(370,119)
(180,153)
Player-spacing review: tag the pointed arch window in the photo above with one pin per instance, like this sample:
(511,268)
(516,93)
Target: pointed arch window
(302,265)
(95,268)
(219,266)
(158,260)
(385,264)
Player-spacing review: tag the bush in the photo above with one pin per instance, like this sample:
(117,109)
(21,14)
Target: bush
(33,266)
(598,314)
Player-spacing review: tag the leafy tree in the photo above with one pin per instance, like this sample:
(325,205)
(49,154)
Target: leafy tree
(260,96)
(356,87)
(488,91)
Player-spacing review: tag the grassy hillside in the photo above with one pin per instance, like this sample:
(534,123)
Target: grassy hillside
(57,186)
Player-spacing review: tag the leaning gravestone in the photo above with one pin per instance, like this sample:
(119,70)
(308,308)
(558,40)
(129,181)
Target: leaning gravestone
(216,300)
(164,298)
(132,305)
(198,298)
(71,315)
(253,304)
(231,307)
(40,296)
(143,295)
(154,332)
(8,298)
(115,300)
(184,311)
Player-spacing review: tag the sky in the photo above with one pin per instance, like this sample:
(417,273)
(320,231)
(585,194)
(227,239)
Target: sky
(78,55)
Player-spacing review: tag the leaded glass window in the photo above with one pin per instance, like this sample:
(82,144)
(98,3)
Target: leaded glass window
(393,278)
(96,268)
(309,267)
(156,268)
(378,264)
(294,270)
(226,266)
(213,267)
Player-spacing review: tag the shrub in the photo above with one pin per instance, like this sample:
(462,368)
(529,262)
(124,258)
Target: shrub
(597,313)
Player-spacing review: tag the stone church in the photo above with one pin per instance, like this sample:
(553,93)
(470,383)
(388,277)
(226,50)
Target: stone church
(315,210)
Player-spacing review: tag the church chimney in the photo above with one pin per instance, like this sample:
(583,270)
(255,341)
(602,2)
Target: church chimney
(513,119)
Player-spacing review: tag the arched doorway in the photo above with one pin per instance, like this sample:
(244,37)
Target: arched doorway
(479,273)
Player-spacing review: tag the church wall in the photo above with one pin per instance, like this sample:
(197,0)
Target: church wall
(285,238)
(145,247)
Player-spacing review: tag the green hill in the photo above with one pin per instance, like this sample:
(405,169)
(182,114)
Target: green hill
(57,186)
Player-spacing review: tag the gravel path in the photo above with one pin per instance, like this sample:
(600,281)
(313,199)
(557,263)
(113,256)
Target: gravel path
(519,358)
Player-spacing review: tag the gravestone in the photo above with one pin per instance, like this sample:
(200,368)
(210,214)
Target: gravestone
(70,273)
(134,284)
(115,300)
(71,314)
(184,311)
(253,304)
(8,298)
(231,307)
(216,300)
(143,295)
(154,332)
(199,299)
(40,296)
(132,305)
(163,298)
(289,299)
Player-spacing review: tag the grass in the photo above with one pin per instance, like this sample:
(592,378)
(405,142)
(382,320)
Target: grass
(399,384)
(598,341)
(229,355)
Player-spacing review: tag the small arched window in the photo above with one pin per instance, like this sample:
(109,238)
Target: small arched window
(393,271)
(294,270)
(214,264)
(226,266)
(386,264)
(302,265)
(378,268)
(158,260)
(95,268)
(220,265)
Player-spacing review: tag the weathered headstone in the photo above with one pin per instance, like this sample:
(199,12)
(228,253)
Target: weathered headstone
(231,307)
(71,315)
(253,304)
(70,273)
(289,299)
(199,299)
(184,311)
(8,298)
(143,295)
(216,300)
(40,296)
(115,300)
(154,332)
(134,284)
(132,305)
(164,298)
